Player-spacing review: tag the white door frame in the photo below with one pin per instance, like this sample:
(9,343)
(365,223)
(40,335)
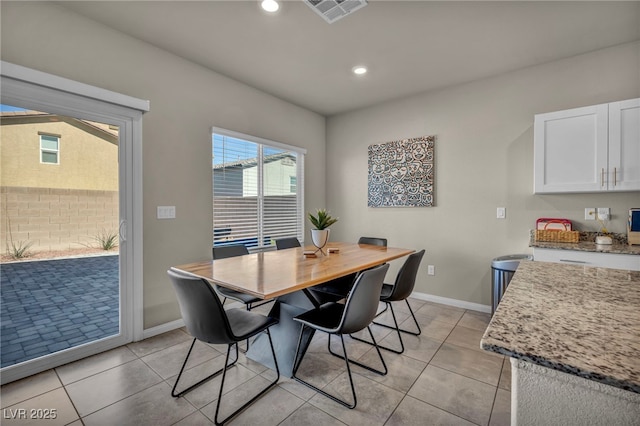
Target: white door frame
(27,88)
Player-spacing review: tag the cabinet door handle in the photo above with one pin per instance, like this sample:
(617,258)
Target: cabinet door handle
(615,176)
(602,178)
(572,261)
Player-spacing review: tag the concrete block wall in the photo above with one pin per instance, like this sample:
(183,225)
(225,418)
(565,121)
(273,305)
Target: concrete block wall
(56,219)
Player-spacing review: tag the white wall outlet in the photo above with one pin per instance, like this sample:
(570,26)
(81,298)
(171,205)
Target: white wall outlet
(590,213)
(431,270)
(501,212)
(603,213)
(166,212)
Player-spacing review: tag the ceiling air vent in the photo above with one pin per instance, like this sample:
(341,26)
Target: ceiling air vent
(332,10)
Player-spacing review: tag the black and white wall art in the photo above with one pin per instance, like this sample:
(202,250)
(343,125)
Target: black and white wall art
(401,173)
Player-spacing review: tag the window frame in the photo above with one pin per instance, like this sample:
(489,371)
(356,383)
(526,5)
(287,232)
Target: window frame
(262,143)
(49,150)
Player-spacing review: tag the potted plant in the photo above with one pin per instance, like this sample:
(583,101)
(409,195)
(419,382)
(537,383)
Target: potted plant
(321,222)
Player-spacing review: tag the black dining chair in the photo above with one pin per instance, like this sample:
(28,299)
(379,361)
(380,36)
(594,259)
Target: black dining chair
(400,290)
(285,243)
(206,320)
(374,241)
(340,319)
(224,252)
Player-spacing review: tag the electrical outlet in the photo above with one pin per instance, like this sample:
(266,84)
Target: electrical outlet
(603,213)
(590,213)
(431,270)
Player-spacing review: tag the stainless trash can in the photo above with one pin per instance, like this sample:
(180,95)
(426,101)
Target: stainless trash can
(502,270)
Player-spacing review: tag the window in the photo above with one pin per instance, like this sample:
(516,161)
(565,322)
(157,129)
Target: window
(49,149)
(256,196)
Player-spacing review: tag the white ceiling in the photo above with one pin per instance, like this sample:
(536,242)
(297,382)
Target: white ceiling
(409,46)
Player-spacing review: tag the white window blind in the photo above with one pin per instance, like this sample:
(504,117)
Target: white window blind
(257,190)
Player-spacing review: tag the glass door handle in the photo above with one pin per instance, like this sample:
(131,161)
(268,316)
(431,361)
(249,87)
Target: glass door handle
(123,231)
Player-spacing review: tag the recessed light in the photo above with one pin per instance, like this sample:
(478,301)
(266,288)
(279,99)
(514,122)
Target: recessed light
(359,70)
(270,5)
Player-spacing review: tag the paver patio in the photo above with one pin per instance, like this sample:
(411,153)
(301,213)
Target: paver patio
(51,305)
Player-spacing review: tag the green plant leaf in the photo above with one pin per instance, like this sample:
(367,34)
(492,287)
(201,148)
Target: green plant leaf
(322,219)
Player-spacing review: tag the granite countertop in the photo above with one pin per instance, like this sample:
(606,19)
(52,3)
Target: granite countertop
(580,320)
(587,243)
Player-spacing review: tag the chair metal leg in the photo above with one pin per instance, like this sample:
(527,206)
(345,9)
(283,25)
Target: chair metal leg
(382,311)
(262,392)
(190,388)
(413,333)
(384,365)
(297,363)
(251,305)
(396,328)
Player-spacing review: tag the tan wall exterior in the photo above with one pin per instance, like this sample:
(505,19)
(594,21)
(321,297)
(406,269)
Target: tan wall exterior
(57,206)
(88,157)
(56,219)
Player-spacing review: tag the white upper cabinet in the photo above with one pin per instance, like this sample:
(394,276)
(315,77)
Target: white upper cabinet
(624,145)
(589,149)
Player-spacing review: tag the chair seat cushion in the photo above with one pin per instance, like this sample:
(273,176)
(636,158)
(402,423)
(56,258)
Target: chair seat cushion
(245,324)
(325,318)
(237,295)
(338,287)
(323,297)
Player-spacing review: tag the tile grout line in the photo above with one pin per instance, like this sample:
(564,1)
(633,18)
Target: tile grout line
(64,388)
(429,363)
(166,382)
(418,376)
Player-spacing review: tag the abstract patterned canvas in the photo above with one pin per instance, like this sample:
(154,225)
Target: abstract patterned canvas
(401,173)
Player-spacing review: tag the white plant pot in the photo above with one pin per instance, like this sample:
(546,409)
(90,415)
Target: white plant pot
(320,237)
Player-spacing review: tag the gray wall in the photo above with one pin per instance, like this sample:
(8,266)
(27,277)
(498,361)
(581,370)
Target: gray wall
(483,150)
(484,160)
(186,101)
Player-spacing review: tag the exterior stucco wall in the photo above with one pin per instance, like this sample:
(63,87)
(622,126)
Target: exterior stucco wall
(86,160)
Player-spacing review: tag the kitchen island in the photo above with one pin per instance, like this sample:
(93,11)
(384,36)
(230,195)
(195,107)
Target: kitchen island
(573,335)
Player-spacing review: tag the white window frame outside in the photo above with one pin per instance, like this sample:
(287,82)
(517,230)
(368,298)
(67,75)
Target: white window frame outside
(299,172)
(32,89)
(49,150)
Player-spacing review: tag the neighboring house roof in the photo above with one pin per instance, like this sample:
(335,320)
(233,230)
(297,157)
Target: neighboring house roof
(253,162)
(107,130)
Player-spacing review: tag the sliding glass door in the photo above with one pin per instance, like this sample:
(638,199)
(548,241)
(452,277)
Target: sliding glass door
(67,199)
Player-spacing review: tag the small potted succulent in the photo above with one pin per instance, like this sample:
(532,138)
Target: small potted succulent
(321,222)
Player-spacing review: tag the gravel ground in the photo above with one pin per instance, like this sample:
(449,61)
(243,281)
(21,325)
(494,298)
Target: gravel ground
(58,254)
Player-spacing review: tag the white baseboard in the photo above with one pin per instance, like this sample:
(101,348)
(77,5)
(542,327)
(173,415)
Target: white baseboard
(163,328)
(452,302)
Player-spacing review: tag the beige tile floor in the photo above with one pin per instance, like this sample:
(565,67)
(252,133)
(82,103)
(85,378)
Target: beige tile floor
(443,378)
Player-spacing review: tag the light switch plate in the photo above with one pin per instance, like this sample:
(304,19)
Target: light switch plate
(166,212)
(501,212)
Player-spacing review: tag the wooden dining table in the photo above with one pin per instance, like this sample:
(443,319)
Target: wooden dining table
(287,275)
